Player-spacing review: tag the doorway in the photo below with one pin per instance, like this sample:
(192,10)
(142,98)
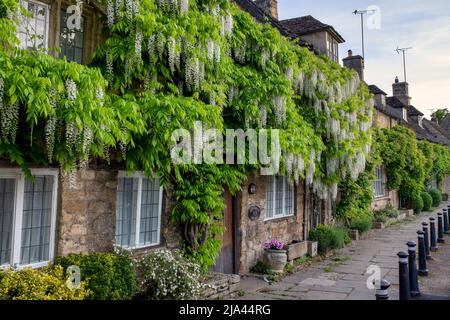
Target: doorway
(226,261)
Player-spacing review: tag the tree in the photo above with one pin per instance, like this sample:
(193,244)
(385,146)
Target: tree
(440,115)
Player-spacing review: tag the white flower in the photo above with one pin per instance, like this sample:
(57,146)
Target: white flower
(110,13)
(184,6)
(138,45)
(71,88)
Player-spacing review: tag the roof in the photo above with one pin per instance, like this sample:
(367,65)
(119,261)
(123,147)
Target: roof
(413,112)
(375,90)
(260,16)
(308,24)
(446,124)
(395,102)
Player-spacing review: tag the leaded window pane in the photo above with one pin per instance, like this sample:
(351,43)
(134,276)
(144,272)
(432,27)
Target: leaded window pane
(7,200)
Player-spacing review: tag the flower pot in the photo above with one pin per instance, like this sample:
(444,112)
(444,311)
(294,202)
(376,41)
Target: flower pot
(275,260)
(297,250)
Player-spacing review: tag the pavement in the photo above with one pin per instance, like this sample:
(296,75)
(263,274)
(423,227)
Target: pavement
(344,276)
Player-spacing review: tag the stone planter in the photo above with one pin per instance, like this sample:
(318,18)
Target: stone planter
(297,250)
(378,225)
(275,260)
(313,248)
(354,235)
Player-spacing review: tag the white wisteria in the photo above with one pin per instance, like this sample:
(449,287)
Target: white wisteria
(110,10)
(138,45)
(279,103)
(9,121)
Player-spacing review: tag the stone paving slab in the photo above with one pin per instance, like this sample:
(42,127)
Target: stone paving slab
(346,279)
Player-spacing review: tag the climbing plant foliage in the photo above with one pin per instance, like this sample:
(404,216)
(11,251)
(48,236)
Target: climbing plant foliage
(164,65)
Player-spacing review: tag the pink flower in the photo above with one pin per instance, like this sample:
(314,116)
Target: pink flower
(274,245)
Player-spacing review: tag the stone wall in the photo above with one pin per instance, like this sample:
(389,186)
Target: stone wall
(87,213)
(251,235)
(87,216)
(381,203)
(383,121)
(220,285)
(446,185)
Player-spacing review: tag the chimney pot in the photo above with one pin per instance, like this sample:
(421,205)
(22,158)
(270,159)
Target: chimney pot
(355,63)
(270,7)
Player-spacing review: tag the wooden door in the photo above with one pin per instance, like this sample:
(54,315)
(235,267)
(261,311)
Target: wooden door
(226,261)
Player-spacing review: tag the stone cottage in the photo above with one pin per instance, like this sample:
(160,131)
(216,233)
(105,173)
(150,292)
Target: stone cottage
(108,208)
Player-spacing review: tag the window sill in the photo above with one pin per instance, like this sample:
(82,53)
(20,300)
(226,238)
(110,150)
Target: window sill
(37,265)
(382,198)
(131,249)
(279,219)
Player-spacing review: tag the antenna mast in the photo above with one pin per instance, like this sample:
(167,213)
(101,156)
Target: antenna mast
(362,13)
(403,51)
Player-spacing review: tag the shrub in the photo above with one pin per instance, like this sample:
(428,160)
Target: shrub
(45,284)
(167,275)
(260,268)
(362,223)
(380,216)
(417,204)
(427,201)
(329,237)
(110,276)
(436,195)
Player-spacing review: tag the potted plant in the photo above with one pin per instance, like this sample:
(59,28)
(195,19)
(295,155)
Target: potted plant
(275,256)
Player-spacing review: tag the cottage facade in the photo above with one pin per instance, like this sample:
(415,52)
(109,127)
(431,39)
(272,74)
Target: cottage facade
(106,207)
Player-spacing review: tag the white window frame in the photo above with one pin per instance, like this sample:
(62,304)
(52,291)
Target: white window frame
(141,176)
(277,215)
(380,181)
(420,121)
(47,20)
(405,114)
(16,244)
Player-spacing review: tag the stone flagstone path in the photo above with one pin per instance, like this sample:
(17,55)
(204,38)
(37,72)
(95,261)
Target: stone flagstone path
(343,277)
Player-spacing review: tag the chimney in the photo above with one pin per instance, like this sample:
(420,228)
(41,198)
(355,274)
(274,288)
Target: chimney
(380,100)
(355,63)
(270,7)
(401,91)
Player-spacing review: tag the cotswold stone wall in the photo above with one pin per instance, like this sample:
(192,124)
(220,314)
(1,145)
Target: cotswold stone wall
(381,203)
(87,213)
(87,216)
(251,235)
(446,186)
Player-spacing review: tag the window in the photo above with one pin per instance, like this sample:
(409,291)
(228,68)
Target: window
(378,184)
(71,40)
(139,206)
(27,217)
(421,121)
(33,30)
(280,198)
(332,48)
(405,114)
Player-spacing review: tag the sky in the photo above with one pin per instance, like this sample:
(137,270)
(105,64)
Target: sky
(422,25)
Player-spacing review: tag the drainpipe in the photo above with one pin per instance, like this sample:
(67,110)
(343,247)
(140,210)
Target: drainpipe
(304,211)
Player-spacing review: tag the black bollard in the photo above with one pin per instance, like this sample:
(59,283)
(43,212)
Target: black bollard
(412,262)
(403,276)
(433,240)
(447,221)
(382,293)
(423,270)
(427,240)
(441,238)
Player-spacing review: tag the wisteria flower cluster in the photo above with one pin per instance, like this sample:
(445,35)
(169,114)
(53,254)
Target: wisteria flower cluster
(274,245)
